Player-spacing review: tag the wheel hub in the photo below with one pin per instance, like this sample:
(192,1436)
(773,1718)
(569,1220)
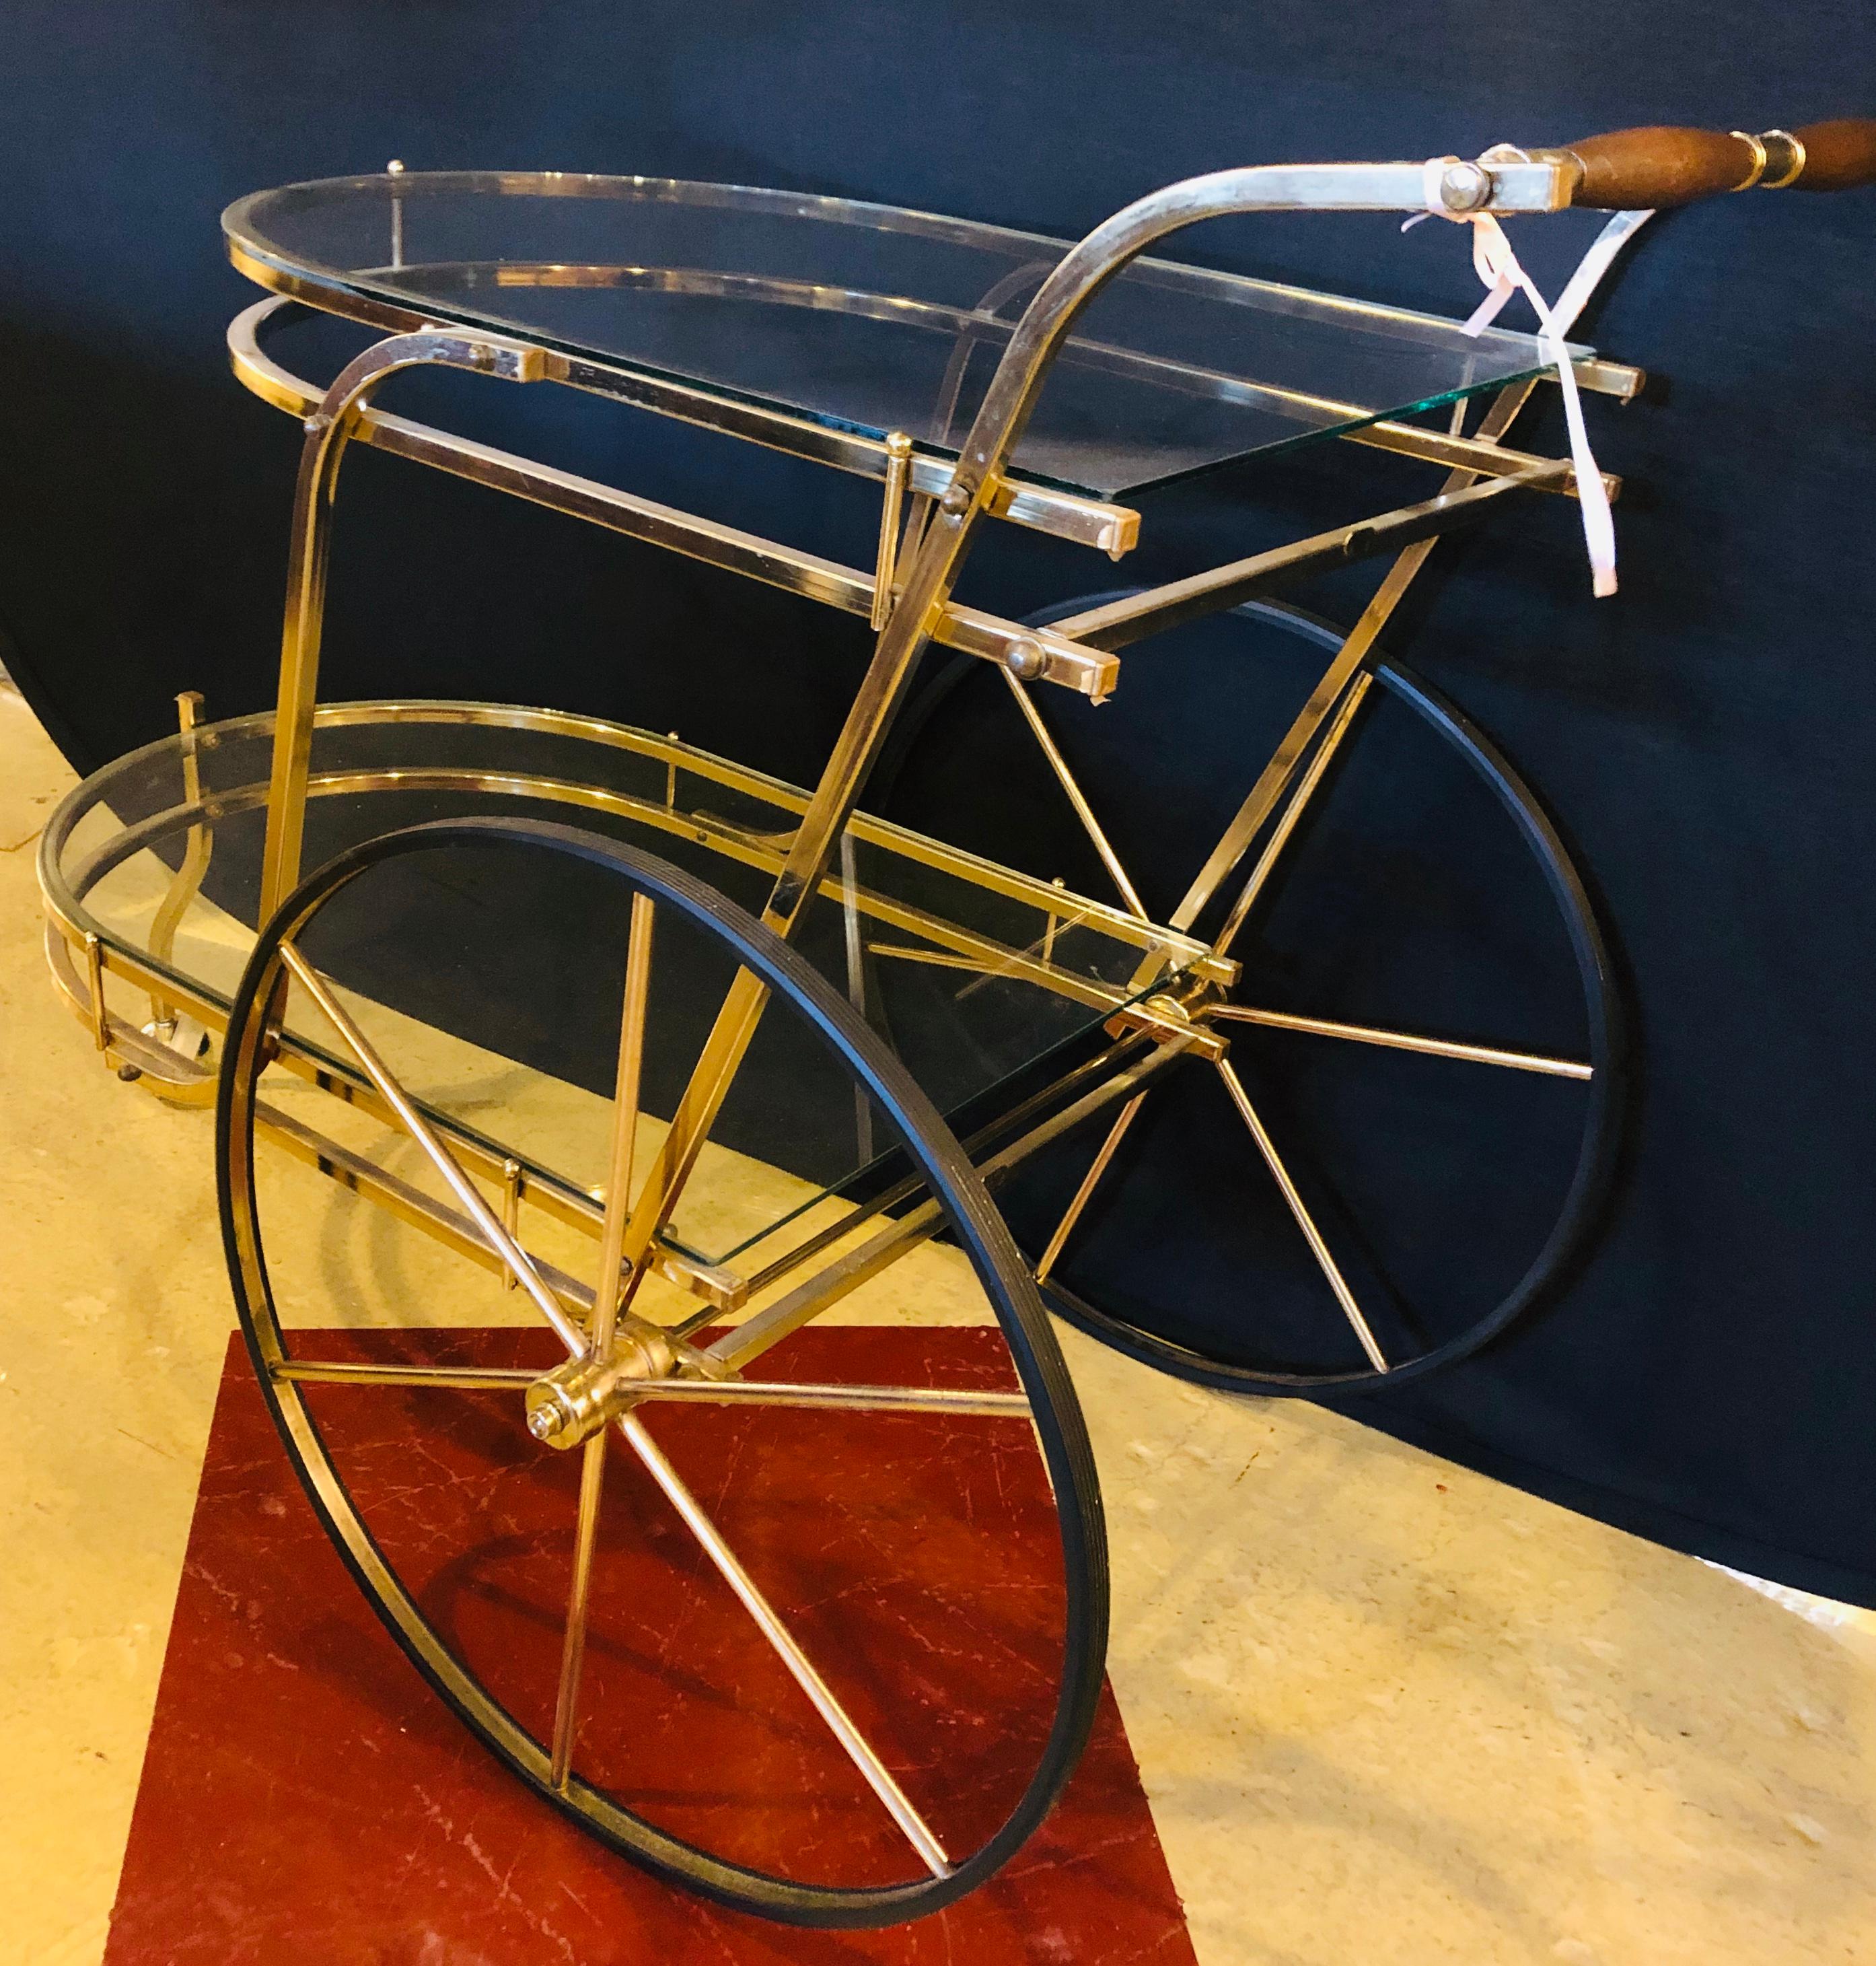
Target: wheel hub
(576,1399)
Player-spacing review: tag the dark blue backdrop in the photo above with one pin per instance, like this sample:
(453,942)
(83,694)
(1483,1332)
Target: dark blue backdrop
(1704,741)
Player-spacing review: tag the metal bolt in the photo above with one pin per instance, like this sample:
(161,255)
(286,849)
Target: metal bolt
(544,1421)
(957,499)
(1026,659)
(1465,187)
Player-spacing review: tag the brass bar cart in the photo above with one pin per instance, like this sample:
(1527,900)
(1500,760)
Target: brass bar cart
(831,1034)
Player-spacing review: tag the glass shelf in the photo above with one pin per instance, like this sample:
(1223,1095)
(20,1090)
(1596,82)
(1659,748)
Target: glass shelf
(868,318)
(491,983)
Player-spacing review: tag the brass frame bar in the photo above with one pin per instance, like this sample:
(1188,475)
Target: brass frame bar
(1092,673)
(626,1108)
(1152,612)
(1490,459)
(793,1258)
(370,1182)
(511,1175)
(768,1326)
(854,947)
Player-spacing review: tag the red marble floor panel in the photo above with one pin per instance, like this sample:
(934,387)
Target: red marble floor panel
(305,1797)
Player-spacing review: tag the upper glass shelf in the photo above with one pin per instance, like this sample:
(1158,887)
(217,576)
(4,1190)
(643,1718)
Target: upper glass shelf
(869,318)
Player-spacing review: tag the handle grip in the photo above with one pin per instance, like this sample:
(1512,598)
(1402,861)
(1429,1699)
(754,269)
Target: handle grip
(1630,170)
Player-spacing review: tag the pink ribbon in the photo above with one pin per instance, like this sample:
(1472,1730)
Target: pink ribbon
(1499,271)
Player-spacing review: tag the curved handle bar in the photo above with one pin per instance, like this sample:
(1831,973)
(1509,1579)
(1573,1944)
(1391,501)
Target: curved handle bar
(1630,170)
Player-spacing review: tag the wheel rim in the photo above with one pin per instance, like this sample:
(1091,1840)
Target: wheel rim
(1133,1330)
(1046,1401)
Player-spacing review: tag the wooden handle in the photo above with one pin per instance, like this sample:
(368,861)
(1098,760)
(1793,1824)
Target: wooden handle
(1838,156)
(1630,169)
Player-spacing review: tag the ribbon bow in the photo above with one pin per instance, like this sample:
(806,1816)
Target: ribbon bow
(1499,271)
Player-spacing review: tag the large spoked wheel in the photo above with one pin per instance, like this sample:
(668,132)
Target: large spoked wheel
(827,1644)
(1407,1146)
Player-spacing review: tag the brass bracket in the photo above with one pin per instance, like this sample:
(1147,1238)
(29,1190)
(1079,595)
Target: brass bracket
(892,507)
(94,975)
(1165,1018)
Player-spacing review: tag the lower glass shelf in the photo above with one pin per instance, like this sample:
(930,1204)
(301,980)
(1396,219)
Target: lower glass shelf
(493,984)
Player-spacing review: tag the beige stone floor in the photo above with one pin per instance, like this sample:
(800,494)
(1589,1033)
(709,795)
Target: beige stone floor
(1384,1708)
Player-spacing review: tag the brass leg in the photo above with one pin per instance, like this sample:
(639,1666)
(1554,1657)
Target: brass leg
(327,429)
(320,455)
(926,588)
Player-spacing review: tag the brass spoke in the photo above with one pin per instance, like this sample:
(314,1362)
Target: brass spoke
(878,1778)
(1324,1027)
(608,1299)
(856,1399)
(1304,1221)
(1083,810)
(445,1162)
(460,1378)
(1089,1181)
(573,1643)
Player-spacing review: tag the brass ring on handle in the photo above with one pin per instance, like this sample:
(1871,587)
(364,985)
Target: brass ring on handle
(1795,150)
(1761,158)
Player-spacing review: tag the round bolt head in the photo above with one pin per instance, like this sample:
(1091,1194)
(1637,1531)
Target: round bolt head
(544,1421)
(1026,660)
(1465,187)
(955,499)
